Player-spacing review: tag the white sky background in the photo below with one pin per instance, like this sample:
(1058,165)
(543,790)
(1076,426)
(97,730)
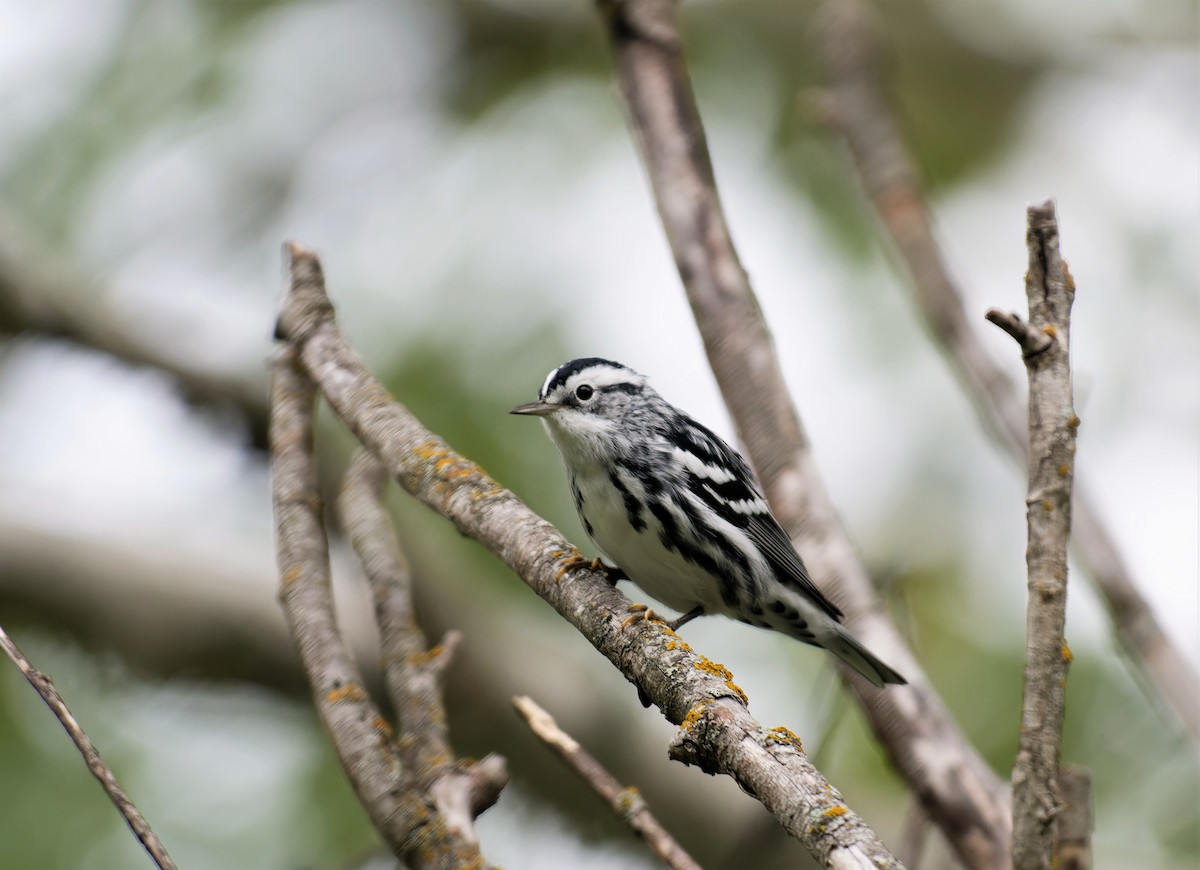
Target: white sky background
(545,191)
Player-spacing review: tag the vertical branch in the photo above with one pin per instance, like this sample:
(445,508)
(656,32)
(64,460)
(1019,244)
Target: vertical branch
(1045,343)
(91,755)
(858,109)
(961,794)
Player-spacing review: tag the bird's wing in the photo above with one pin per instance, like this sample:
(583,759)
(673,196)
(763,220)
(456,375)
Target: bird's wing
(724,481)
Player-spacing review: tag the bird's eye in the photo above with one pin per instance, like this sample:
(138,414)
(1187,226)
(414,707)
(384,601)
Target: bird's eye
(583,392)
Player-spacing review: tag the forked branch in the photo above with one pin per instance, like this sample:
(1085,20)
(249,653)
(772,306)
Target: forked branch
(717,731)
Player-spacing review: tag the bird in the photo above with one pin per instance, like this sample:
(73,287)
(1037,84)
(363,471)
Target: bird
(680,512)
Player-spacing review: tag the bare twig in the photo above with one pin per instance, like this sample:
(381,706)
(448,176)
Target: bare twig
(857,107)
(1077,819)
(412,670)
(406,813)
(1052,427)
(627,803)
(717,732)
(91,756)
(962,795)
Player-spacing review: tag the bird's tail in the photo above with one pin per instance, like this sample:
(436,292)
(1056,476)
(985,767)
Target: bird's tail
(861,659)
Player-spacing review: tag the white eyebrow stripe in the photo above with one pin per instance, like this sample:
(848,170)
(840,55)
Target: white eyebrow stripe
(546,383)
(701,469)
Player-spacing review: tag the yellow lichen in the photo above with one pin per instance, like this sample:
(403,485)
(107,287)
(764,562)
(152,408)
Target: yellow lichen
(292,574)
(1047,505)
(348,692)
(783,734)
(1067,655)
(693,717)
(834,811)
(382,726)
(1074,422)
(719,670)
(1050,330)
(1064,470)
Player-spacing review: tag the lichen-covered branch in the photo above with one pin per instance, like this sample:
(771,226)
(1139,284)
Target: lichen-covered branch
(627,803)
(91,755)
(856,106)
(413,671)
(1052,427)
(961,794)
(405,811)
(717,731)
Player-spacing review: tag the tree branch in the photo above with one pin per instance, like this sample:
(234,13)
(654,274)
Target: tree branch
(717,732)
(407,812)
(627,803)
(412,670)
(1077,819)
(857,107)
(961,794)
(91,755)
(1052,427)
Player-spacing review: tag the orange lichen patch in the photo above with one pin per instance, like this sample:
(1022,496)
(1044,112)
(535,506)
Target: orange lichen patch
(382,726)
(782,734)
(833,812)
(628,800)
(1064,470)
(693,717)
(719,670)
(1047,505)
(1069,277)
(292,574)
(676,643)
(424,658)
(348,692)
(1074,422)
(1067,655)
(1050,330)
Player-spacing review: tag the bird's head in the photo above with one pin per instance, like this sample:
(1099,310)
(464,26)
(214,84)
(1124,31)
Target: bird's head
(584,401)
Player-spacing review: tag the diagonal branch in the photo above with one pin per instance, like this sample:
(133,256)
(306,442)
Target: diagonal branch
(627,803)
(961,794)
(91,755)
(406,812)
(1052,427)
(857,107)
(717,731)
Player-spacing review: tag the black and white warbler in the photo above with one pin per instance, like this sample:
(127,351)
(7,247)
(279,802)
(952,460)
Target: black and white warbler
(680,511)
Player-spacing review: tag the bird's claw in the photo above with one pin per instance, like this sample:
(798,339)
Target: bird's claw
(640,613)
(573,562)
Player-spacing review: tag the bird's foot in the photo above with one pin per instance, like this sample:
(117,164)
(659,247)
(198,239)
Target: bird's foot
(640,613)
(573,562)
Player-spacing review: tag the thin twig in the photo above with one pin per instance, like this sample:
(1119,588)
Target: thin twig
(406,817)
(1077,819)
(1052,427)
(717,731)
(961,793)
(412,670)
(857,107)
(627,803)
(91,756)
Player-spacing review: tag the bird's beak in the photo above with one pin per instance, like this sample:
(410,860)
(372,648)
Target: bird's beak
(536,409)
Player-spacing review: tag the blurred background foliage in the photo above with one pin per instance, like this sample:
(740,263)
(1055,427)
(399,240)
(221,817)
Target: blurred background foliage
(464,169)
